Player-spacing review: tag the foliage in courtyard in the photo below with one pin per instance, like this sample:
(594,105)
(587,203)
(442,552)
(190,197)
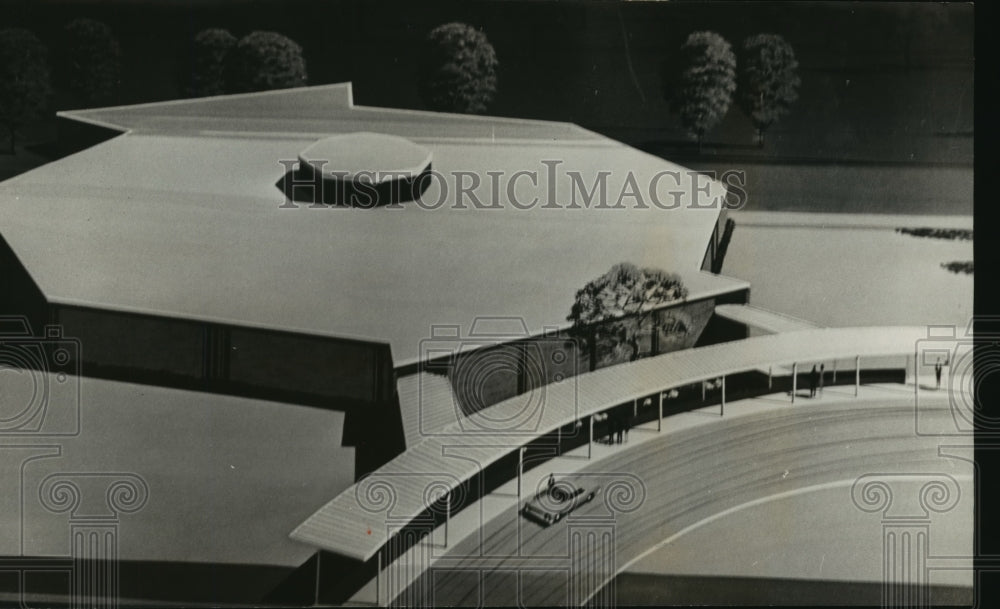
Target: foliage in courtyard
(701,81)
(91,62)
(262,61)
(618,306)
(458,70)
(768,82)
(951,234)
(209,50)
(964,267)
(25,85)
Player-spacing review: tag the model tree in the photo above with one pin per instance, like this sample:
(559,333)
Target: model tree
(262,61)
(768,80)
(92,61)
(702,83)
(617,306)
(209,50)
(458,70)
(24,80)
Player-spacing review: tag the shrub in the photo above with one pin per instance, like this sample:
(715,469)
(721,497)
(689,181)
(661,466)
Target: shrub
(25,85)
(768,80)
(703,82)
(209,50)
(262,61)
(458,70)
(92,62)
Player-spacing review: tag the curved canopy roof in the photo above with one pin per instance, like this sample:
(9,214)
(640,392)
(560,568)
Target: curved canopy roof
(355,522)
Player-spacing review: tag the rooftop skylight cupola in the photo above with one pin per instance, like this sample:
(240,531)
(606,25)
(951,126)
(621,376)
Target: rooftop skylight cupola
(360,169)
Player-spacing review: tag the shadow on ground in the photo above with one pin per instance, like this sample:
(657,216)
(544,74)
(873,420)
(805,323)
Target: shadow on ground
(663,590)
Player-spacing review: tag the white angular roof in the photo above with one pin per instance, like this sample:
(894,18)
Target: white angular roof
(182,216)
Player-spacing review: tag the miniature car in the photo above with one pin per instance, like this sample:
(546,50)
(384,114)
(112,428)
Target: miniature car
(553,503)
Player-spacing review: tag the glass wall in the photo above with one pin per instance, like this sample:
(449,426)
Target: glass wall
(113,341)
(302,364)
(230,359)
(486,376)
(490,375)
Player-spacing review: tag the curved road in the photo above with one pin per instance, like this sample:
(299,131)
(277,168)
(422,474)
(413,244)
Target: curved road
(689,476)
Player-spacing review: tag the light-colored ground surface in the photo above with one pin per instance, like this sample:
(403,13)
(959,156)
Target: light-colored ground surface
(228,477)
(853,189)
(835,220)
(771,447)
(821,270)
(790,537)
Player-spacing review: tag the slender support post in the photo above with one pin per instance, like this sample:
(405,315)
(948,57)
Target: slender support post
(916,383)
(447,517)
(592,341)
(834,371)
(857,375)
(635,408)
(654,338)
(319,557)
(520,470)
(795,380)
(659,407)
(559,440)
(722,413)
(703,391)
(590,444)
(769,377)
(522,377)
(378,581)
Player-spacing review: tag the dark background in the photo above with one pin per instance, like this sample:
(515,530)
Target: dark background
(881,82)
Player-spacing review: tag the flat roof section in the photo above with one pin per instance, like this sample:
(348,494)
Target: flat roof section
(427,405)
(325,109)
(354,523)
(227,477)
(764,319)
(180,220)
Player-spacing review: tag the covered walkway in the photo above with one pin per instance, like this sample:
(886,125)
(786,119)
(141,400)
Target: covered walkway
(358,522)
